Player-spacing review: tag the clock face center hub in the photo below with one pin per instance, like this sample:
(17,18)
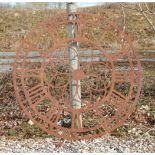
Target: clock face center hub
(78,74)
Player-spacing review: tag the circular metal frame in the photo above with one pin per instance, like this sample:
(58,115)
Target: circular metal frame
(109,72)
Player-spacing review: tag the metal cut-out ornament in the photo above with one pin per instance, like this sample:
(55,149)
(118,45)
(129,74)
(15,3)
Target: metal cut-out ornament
(106,79)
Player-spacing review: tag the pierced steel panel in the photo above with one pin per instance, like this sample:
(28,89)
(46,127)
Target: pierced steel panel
(106,80)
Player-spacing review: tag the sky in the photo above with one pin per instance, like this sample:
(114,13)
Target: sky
(80,4)
(83,4)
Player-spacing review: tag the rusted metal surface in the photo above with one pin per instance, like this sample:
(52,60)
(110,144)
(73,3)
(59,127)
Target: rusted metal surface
(109,89)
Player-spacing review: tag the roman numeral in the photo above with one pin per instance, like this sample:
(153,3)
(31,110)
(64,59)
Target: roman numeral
(117,98)
(36,94)
(122,76)
(53,114)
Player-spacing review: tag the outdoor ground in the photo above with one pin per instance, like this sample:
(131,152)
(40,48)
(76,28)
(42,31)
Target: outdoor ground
(17,135)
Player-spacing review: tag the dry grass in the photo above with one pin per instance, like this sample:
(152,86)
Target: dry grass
(15,23)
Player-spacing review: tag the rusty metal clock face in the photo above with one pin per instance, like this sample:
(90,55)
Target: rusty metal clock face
(108,75)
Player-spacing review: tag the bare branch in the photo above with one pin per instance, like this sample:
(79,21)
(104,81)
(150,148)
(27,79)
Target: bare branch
(148,10)
(124,17)
(125,6)
(146,17)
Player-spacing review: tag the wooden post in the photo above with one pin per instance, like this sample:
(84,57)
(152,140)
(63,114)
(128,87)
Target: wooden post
(75,86)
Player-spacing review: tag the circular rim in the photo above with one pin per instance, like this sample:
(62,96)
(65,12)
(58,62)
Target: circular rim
(77,111)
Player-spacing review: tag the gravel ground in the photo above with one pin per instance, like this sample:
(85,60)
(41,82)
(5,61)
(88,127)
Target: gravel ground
(105,144)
